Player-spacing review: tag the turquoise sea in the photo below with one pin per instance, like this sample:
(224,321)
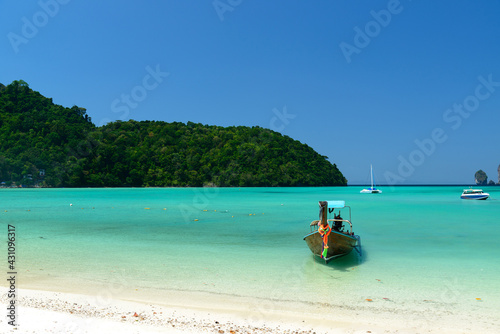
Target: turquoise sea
(424,249)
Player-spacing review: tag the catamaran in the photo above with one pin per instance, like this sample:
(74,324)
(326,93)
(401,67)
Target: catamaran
(372,189)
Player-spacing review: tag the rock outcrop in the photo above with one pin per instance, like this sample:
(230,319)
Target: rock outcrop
(481,178)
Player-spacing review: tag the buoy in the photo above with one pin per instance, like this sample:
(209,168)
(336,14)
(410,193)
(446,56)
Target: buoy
(369,300)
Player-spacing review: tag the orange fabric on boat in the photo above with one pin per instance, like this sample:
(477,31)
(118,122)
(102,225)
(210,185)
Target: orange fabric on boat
(324,231)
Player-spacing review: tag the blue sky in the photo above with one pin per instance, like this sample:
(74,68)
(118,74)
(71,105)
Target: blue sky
(412,87)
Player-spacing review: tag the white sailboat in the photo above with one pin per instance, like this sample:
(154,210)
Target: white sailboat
(372,189)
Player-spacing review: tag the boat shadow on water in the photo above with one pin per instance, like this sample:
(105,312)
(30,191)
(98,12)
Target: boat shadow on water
(345,263)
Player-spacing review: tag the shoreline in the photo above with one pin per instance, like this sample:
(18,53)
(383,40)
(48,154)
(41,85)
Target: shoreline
(268,186)
(63,312)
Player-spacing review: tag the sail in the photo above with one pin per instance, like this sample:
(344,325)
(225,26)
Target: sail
(371,173)
(372,189)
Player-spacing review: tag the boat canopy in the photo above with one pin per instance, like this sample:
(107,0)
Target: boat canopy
(336,204)
(473,190)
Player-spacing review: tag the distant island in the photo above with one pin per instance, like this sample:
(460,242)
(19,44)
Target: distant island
(481,178)
(47,145)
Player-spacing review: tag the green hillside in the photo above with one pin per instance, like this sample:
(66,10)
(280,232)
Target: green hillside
(49,145)
(37,135)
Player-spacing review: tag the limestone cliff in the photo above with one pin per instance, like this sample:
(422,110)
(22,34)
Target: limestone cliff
(481,178)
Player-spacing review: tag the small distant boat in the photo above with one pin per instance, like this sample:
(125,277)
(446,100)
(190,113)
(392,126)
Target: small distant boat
(372,189)
(474,194)
(341,239)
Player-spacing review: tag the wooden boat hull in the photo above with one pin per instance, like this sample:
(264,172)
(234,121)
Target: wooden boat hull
(339,244)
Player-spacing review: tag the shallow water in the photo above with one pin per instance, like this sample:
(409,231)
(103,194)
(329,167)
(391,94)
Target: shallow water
(423,247)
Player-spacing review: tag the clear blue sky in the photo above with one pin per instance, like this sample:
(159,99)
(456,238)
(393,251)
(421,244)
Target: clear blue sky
(360,82)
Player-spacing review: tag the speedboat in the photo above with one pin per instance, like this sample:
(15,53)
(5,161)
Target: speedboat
(340,238)
(474,194)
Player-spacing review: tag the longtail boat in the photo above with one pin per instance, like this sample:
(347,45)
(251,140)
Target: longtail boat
(341,239)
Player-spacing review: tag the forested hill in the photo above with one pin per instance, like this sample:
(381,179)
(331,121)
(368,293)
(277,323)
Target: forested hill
(45,144)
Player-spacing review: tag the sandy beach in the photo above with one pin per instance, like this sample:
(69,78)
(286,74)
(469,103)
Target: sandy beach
(56,312)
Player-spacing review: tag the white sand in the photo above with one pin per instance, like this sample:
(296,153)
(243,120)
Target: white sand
(55,312)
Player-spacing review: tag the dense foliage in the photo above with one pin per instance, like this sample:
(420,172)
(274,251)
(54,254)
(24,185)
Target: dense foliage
(36,135)
(49,145)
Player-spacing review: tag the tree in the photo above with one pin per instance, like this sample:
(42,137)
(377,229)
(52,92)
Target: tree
(37,134)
